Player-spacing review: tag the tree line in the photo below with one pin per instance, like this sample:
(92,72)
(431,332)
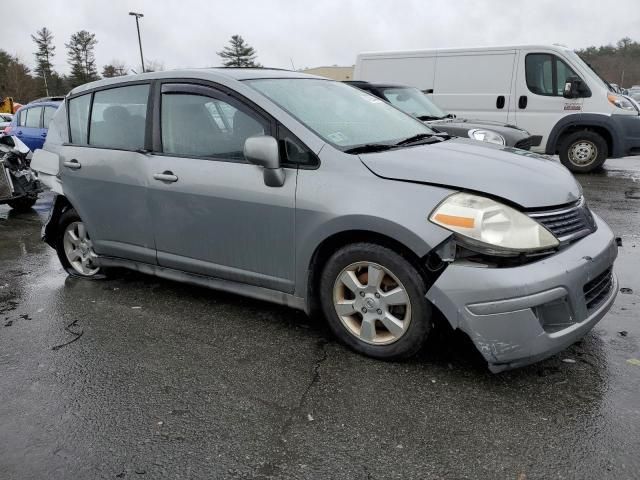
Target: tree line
(18,81)
(619,63)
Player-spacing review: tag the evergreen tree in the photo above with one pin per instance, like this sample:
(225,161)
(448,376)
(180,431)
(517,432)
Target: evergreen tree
(81,57)
(44,56)
(114,69)
(238,53)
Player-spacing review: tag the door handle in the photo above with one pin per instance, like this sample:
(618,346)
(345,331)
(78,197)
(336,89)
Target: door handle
(522,102)
(166,176)
(43,135)
(19,132)
(73,164)
(500,102)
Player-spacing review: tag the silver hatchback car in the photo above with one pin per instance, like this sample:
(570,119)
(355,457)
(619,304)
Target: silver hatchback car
(307,192)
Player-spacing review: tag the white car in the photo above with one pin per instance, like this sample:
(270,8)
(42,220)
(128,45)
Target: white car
(5,120)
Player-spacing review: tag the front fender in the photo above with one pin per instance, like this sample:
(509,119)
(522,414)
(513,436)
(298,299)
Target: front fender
(586,120)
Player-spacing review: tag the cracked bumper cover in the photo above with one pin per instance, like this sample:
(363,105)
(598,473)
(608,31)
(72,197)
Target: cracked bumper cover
(499,308)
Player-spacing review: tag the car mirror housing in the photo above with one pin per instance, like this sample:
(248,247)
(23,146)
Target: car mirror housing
(264,151)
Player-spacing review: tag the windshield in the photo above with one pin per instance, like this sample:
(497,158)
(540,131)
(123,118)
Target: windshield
(586,66)
(340,114)
(413,102)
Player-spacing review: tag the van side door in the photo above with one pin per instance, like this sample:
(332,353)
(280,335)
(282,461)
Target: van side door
(475,84)
(212,212)
(539,102)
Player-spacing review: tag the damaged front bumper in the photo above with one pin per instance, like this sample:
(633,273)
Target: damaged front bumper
(520,315)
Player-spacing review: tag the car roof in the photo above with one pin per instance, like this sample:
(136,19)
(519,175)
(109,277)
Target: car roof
(217,74)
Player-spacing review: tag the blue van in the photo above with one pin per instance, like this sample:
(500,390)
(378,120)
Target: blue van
(31,122)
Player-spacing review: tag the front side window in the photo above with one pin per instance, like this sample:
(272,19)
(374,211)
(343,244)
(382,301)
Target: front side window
(202,126)
(118,117)
(546,74)
(33,117)
(48,115)
(79,119)
(340,114)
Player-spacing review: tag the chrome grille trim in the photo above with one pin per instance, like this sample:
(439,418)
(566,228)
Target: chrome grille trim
(568,223)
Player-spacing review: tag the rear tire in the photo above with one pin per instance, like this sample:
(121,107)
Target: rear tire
(374,301)
(583,151)
(74,247)
(22,204)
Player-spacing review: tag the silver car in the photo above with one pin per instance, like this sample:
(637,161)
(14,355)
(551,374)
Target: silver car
(307,192)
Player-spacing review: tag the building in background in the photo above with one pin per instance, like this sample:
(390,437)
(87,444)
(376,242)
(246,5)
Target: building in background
(334,72)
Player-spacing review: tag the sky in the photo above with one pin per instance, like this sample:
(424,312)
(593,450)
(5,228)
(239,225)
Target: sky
(302,33)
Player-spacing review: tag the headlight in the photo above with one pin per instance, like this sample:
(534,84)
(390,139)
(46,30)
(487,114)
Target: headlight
(491,226)
(620,102)
(486,136)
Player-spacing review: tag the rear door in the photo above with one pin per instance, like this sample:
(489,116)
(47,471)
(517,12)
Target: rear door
(475,85)
(105,169)
(212,212)
(539,103)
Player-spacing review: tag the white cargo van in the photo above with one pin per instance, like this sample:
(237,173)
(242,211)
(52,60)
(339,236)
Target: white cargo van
(545,89)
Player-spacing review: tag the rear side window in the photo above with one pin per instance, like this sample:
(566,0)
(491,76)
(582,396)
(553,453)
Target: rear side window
(32,119)
(118,117)
(201,126)
(546,74)
(48,115)
(79,119)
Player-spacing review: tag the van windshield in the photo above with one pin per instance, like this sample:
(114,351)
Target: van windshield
(413,102)
(586,66)
(340,114)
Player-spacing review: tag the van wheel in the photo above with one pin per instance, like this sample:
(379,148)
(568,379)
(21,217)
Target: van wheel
(583,151)
(74,247)
(374,301)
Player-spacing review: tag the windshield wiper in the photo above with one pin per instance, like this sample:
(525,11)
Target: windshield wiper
(370,148)
(426,118)
(421,137)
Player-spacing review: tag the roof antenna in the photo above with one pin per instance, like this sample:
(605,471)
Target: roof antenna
(292,66)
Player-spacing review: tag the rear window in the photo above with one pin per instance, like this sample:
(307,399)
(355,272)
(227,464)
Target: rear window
(32,117)
(118,117)
(79,118)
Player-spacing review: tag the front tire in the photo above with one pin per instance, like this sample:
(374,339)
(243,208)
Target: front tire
(374,301)
(74,247)
(583,151)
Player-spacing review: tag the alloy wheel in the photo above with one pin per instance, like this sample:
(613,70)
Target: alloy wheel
(372,303)
(79,249)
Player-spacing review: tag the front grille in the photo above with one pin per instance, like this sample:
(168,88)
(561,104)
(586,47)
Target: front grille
(5,184)
(597,290)
(569,223)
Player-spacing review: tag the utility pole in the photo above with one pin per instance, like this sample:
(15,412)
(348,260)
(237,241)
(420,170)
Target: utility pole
(139,15)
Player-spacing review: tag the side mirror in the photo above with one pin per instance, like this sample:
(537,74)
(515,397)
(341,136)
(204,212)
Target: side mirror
(264,151)
(575,88)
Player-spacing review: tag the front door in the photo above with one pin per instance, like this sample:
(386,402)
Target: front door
(211,210)
(104,170)
(539,103)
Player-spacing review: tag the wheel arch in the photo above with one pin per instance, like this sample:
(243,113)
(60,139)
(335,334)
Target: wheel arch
(61,204)
(332,243)
(598,123)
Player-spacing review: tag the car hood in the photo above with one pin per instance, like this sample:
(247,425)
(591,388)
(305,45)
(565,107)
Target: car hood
(524,178)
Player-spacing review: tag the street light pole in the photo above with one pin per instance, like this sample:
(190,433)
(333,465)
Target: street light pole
(139,15)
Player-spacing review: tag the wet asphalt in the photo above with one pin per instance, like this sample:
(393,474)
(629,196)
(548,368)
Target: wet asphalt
(136,377)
